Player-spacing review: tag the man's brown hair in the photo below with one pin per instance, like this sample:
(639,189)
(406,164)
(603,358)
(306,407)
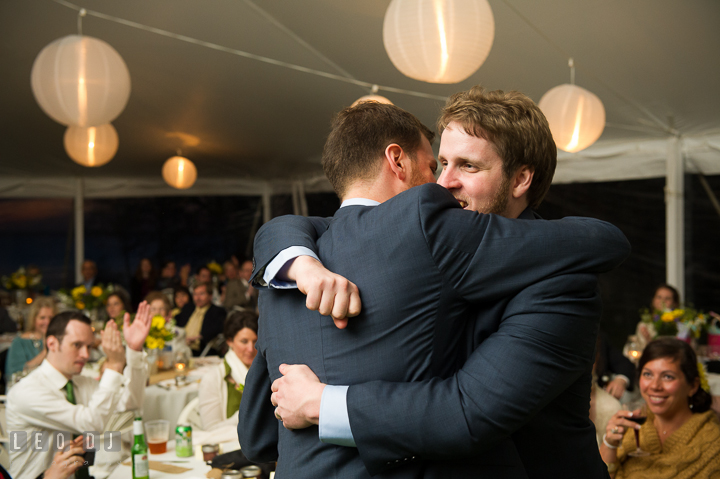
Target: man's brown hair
(359,136)
(516,128)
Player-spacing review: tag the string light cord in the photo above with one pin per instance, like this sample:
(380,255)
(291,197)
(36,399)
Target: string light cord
(252,56)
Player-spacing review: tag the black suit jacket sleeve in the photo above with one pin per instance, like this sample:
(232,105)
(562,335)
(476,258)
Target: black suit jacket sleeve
(257,426)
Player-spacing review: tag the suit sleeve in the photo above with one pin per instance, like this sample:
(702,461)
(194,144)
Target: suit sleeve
(545,342)
(280,234)
(489,257)
(257,425)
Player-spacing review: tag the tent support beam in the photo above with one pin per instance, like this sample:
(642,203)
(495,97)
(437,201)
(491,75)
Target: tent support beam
(79,229)
(675,216)
(267,206)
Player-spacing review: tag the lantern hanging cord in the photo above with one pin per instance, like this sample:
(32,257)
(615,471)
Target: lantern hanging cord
(252,56)
(657,121)
(571,64)
(81,14)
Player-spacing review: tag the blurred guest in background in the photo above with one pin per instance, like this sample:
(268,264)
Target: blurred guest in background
(159,304)
(665,297)
(143,282)
(7,325)
(89,273)
(28,350)
(245,274)
(169,278)
(235,289)
(614,371)
(221,390)
(117,305)
(182,299)
(681,433)
(204,322)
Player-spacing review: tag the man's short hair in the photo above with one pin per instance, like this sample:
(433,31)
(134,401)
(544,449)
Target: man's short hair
(208,287)
(359,136)
(59,323)
(516,128)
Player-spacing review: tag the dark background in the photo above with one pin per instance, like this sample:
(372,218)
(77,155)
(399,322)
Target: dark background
(196,230)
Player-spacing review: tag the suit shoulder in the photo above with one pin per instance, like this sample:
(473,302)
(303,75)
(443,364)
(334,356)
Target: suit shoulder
(429,193)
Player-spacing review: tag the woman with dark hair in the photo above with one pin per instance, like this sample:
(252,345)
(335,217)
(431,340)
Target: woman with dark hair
(665,297)
(681,433)
(221,390)
(116,305)
(143,281)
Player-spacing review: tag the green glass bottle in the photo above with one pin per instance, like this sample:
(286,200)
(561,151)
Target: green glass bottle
(139,451)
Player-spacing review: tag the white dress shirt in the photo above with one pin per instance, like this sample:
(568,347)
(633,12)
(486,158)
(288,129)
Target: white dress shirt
(38,403)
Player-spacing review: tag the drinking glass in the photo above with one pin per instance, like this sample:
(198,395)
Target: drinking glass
(181,361)
(157,433)
(638,417)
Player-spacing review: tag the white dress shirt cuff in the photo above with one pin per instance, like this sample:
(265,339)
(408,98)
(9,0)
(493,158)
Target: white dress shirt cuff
(111,380)
(275,271)
(135,359)
(334,420)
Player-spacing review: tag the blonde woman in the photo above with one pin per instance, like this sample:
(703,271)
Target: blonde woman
(28,349)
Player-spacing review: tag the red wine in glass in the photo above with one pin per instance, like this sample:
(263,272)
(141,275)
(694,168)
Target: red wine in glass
(640,420)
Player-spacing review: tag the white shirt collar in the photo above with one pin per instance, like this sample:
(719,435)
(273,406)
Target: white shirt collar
(56,379)
(359,202)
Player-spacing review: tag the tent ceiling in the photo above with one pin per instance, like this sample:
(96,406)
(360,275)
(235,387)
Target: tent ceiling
(644,59)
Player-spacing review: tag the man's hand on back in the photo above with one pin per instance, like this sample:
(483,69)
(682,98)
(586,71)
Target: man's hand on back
(327,292)
(297,396)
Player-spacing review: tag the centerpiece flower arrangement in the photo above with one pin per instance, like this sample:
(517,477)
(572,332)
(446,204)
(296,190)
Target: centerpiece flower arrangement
(683,323)
(82,299)
(161,332)
(29,278)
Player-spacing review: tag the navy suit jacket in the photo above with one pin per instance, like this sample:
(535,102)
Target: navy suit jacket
(420,262)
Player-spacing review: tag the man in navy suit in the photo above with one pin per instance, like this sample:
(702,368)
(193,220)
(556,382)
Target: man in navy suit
(421,262)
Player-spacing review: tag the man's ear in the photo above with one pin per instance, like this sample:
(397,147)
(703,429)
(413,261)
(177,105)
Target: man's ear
(521,181)
(52,343)
(397,161)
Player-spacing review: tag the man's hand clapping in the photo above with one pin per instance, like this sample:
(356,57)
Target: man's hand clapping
(136,332)
(112,347)
(65,463)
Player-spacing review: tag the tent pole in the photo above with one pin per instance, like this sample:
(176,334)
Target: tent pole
(79,230)
(675,217)
(296,198)
(267,213)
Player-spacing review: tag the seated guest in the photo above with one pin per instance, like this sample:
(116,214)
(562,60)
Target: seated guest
(681,433)
(221,389)
(56,399)
(665,297)
(235,290)
(143,281)
(614,371)
(245,274)
(169,278)
(117,305)
(7,324)
(181,298)
(28,349)
(89,273)
(204,322)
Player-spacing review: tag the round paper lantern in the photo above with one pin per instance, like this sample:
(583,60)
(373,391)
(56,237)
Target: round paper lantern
(179,172)
(91,145)
(80,80)
(438,41)
(576,116)
(377,98)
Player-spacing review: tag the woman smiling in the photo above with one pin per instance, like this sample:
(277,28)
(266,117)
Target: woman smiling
(681,434)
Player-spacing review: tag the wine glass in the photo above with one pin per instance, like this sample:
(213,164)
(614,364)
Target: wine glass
(632,349)
(640,417)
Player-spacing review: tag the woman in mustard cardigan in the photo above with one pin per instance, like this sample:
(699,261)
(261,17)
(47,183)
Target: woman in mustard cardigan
(681,433)
(221,389)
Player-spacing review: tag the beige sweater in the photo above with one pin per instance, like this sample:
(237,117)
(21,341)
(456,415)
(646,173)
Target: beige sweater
(693,451)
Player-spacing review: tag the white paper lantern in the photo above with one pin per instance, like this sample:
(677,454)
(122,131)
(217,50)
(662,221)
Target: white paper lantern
(438,41)
(576,116)
(80,80)
(91,145)
(179,172)
(377,98)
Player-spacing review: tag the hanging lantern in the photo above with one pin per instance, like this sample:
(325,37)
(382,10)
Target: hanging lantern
(179,172)
(80,80)
(377,98)
(438,41)
(576,116)
(92,145)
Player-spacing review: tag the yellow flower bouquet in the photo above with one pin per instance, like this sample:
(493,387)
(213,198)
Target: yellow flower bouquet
(161,332)
(683,323)
(80,298)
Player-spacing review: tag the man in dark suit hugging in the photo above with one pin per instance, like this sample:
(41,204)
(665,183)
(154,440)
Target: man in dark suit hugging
(423,264)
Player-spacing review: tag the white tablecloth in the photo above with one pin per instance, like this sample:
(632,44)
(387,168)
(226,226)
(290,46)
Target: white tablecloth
(167,404)
(714,381)
(196,464)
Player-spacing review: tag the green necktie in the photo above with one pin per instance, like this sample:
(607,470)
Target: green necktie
(83,472)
